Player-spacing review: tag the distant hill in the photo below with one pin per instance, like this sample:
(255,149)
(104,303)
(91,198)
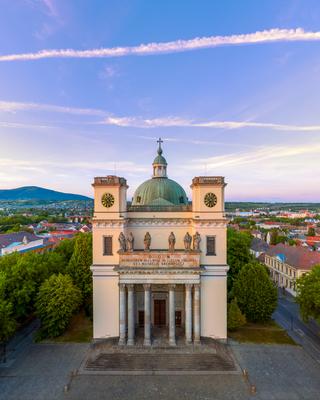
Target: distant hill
(38,193)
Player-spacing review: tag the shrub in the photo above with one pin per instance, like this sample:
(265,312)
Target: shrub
(57,301)
(235,317)
(255,293)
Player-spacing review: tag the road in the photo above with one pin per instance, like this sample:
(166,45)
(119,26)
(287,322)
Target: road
(306,334)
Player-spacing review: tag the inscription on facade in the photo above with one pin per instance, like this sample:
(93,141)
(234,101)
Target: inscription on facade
(160,260)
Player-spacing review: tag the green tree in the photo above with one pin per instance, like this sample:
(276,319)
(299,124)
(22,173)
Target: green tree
(255,293)
(80,262)
(311,231)
(308,294)
(235,317)
(7,321)
(57,301)
(276,238)
(238,253)
(65,249)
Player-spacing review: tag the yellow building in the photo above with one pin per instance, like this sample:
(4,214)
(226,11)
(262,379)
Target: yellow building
(159,261)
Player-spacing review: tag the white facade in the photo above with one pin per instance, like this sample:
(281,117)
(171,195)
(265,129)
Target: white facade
(174,286)
(21,246)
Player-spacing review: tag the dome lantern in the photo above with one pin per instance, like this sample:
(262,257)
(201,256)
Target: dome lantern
(159,164)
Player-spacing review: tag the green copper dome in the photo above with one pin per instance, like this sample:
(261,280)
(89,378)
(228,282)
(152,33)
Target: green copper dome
(160,190)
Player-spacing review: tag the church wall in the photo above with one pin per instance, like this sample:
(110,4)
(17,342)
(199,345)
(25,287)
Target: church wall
(97,235)
(214,307)
(106,306)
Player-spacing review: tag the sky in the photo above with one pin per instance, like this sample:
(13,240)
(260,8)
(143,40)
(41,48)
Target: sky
(232,87)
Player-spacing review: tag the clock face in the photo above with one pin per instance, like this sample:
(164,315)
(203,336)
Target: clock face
(107,200)
(210,200)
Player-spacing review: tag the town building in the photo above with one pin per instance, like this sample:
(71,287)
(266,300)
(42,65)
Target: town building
(288,263)
(22,242)
(159,262)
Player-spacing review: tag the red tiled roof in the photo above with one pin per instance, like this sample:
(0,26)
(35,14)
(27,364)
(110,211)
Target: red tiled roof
(296,256)
(60,233)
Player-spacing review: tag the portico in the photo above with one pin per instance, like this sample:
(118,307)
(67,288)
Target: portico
(152,316)
(159,288)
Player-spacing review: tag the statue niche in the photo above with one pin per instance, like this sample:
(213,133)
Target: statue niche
(187,241)
(172,241)
(122,242)
(147,241)
(130,242)
(196,241)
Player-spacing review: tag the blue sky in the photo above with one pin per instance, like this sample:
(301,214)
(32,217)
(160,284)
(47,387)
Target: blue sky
(245,107)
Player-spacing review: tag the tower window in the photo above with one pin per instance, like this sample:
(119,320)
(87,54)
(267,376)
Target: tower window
(211,245)
(107,245)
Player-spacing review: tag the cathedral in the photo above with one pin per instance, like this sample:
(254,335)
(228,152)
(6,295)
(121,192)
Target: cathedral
(159,261)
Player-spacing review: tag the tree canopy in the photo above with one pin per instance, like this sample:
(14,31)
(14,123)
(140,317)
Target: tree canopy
(308,294)
(255,293)
(57,300)
(238,253)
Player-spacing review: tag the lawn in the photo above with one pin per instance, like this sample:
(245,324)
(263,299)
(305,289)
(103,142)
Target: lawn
(266,333)
(79,330)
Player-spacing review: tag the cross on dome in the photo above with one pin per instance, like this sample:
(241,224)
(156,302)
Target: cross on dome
(159,141)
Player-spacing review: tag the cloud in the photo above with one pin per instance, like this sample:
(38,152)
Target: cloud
(45,165)
(10,106)
(266,36)
(256,156)
(145,123)
(136,122)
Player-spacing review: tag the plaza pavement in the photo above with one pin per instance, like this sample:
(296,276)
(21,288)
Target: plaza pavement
(44,371)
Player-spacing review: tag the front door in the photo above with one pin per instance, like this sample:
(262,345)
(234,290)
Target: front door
(159,312)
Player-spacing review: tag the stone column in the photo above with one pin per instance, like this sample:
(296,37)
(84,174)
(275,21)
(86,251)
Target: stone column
(172,316)
(188,313)
(196,314)
(147,315)
(122,314)
(130,315)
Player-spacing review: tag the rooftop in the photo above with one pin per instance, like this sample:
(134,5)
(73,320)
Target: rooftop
(295,256)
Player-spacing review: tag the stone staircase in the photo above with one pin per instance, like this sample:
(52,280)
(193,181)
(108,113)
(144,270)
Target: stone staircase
(159,361)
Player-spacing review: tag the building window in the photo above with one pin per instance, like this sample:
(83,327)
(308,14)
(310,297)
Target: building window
(181,199)
(211,245)
(138,199)
(107,245)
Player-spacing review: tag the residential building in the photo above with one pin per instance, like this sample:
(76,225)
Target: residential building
(288,263)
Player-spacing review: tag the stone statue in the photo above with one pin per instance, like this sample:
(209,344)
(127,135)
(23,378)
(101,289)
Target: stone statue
(147,241)
(187,241)
(172,241)
(122,242)
(130,242)
(196,241)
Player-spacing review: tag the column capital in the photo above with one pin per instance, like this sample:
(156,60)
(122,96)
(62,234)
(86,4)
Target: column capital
(197,286)
(171,286)
(188,286)
(147,286)
(130,286)
(122,286)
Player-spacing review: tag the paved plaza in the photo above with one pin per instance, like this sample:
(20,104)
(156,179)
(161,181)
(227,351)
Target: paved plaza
(52,372)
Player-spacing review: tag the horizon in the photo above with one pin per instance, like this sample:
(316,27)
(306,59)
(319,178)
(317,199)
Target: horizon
(86,91)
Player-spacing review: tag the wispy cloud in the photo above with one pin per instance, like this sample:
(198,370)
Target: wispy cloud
(146,123)
(136,122)
(10,106)
(255,156)
(266,36)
